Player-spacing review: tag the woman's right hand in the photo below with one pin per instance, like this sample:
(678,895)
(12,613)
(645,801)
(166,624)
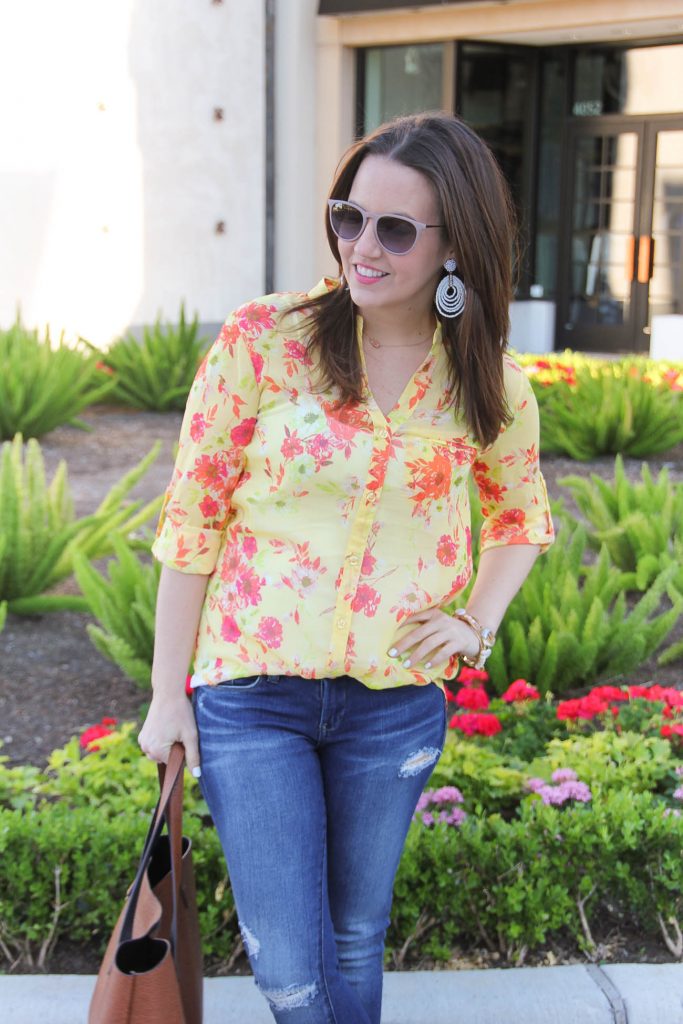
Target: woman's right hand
(170,720)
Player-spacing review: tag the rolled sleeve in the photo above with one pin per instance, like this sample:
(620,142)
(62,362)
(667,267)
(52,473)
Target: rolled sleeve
(218,424)
(513,495)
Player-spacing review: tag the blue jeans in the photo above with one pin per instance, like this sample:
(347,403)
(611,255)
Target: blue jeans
(312,784)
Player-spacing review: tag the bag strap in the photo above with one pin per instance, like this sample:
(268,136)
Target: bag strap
(169,809)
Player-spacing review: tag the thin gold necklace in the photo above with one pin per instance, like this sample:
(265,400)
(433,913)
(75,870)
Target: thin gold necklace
(376,344)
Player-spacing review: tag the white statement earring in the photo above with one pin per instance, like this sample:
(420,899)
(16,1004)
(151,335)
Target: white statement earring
(450,294)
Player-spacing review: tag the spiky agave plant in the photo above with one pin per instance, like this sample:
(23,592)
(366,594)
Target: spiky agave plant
(39,533)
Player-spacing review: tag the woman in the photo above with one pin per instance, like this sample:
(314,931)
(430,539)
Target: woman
(317,524)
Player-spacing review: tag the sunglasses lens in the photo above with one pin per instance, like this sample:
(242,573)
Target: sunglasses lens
(346,220)
(396,234)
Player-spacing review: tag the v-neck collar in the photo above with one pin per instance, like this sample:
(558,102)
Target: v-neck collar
(414,390)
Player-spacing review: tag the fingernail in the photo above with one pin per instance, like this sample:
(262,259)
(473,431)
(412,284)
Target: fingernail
(406,663)
(392,652)
(428,664)
(197,772)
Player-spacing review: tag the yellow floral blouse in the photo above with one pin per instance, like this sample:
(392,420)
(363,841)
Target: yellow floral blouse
(323,528)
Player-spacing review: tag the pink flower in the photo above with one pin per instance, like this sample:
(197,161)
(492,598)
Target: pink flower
(366,600)
(297,350)
(197,427)
(564,775)
(209,508)
(446,551)
(249,587)
(230,631)
(291,446)
(520,690)
(242,434)
(249,546)
(368,566)
(270,631)
(472,697)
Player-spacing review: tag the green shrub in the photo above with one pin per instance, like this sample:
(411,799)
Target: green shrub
(640,523)
(569,625)
(512,885)
(608,411)
(157,372)
(42,386)
(38,531)
(3,614)
(124,606)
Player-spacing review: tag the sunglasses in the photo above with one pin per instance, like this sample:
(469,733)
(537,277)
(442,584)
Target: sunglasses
(397,235)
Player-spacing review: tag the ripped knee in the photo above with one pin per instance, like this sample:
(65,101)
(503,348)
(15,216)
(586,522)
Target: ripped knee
(292,997)
(416,762)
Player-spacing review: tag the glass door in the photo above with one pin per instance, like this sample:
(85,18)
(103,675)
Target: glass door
(599,301)
(661,241)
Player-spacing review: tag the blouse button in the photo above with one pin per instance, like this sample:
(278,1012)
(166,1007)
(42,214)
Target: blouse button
(353,559)
(341,623)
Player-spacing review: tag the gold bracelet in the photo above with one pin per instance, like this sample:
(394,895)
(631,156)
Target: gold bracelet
(485,636)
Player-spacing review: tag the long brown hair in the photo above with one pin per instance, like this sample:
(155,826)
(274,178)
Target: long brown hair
(475,207)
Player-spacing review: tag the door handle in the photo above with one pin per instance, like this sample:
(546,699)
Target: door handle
(646,258)
(630,258)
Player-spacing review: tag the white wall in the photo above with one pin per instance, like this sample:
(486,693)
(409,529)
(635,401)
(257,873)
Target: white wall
(113,172)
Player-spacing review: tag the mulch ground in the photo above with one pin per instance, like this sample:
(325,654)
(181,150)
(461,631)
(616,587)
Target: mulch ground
(53,683)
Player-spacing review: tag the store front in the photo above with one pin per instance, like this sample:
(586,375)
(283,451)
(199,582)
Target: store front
(590,138)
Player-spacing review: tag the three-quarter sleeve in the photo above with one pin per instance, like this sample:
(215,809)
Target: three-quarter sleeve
(218,424)
(513,496)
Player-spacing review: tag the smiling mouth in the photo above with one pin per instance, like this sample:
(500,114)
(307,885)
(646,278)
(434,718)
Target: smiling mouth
(369,272)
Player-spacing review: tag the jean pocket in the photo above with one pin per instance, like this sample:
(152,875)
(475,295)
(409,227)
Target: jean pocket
(243,683)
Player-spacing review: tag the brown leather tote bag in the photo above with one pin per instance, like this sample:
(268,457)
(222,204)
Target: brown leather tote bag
(151,972)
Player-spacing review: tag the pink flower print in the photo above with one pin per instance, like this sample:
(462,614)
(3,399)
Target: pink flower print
(197,427)
(297,350)
(446,551)
(270,631)
(249,546)
(209,508)
(229,335)
(366,600)
(320,448)
(255,318)
(242,434)
(368,566)
(292,445)
(248,587)
(230,630)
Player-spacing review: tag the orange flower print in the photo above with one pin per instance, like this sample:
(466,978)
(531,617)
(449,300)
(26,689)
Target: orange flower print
(228,336)
(254,318)
(489,490)
(431,480)
(211,472)
(446,551)
(365,600)
(292,445)
(345,420)
(270,631)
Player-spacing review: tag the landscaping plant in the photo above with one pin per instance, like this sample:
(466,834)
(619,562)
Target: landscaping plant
(606,411)
(124,607)
(569,625)
(157,372)
(41,385)
(39,533)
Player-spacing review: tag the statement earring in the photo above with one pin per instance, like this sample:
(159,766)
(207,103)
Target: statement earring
(451,293)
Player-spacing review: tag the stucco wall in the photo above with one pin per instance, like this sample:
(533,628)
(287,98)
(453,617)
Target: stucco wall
(114,172)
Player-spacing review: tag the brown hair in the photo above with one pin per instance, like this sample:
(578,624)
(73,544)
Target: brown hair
(475,207)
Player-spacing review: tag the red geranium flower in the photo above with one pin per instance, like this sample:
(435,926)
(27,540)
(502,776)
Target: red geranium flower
(520,690)
(483,724)
(472,697)
(88,737)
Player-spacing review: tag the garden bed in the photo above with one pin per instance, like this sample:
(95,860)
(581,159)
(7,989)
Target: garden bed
(53,683)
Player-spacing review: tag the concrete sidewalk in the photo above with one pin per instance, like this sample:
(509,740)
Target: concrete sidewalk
(579,994)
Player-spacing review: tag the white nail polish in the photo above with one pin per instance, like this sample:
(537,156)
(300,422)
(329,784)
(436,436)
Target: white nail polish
(197,772)
(392,652)
(428,664)
(406,663)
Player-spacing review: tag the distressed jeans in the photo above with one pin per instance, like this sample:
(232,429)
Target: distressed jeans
(312,784)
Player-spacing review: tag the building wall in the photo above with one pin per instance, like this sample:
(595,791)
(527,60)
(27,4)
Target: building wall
(121,193)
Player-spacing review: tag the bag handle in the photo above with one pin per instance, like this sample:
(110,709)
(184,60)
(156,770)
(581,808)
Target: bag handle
(169,809)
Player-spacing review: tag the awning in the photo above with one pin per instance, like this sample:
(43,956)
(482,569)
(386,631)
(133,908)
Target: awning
(368,6)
